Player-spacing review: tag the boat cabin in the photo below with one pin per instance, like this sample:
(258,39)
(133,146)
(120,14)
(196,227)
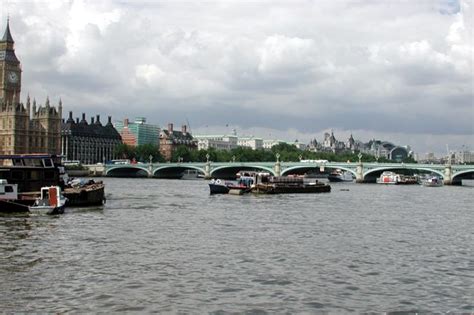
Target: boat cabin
(8,191)
(30,171)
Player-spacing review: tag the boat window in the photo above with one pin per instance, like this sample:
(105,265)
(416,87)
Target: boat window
(18,162)
(8,189)
(48,163)
(33,162)
(33,175)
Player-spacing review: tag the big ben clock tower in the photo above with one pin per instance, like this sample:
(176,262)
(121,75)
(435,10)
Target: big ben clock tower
(10,70)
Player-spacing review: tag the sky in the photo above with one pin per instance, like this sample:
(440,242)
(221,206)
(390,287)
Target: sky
(400,71)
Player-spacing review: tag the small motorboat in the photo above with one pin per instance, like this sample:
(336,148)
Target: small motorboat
(218,186)
(51,201)
(433,181)
(388,177)
(339,175)
(239,187)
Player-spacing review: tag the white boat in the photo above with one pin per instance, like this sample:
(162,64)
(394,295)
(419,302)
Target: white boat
(9,198)
(51,201)
(389,178)
(8,191)
(433,181)
(339,175)
(192,174)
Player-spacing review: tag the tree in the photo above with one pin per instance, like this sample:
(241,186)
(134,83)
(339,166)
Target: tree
(144,151)
(182,154)
(124,151)
(139,153)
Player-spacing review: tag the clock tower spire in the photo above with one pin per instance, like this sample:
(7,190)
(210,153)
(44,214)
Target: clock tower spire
(10,69)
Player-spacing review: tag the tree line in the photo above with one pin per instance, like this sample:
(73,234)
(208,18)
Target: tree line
(287,153)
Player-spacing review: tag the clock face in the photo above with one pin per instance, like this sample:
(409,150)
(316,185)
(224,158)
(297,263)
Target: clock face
(12,77)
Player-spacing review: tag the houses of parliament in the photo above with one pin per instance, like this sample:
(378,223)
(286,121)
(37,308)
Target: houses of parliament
(24,128)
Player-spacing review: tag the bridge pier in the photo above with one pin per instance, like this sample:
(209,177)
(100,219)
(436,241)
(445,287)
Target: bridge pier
(277,168)
(448,175)
(360,172)
(150,170)
(207,170)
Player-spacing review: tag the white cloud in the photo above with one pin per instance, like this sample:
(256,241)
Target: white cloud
(281,55)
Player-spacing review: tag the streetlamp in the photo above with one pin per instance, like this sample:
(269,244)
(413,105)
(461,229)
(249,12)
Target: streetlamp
(360,157)
(207,157)
(150,158)
(278,157)
(233,158)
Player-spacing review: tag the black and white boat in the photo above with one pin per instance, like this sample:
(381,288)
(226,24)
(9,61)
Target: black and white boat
(242,185)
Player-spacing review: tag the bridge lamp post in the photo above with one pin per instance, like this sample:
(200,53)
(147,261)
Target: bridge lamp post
(360,157)
(233,158)
(278,157)
(151,158)
(207,157)
(300,157)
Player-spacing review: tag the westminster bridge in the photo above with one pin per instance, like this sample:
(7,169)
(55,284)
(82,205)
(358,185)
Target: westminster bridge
(363,172)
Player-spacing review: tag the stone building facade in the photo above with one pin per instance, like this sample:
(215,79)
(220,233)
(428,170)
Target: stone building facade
(171,139)
(88,143)
(24,128)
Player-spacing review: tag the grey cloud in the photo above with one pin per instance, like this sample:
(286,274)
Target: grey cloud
(310,66)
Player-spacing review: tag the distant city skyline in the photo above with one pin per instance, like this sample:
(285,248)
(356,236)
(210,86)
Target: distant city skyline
(395,71)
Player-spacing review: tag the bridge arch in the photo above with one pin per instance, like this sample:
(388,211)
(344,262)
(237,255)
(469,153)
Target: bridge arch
(300,167)
(174,171)
(127,171)
(459,176)
(391,168)
(229,171)
(371,175)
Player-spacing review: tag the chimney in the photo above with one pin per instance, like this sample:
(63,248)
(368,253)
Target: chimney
(92,120)
(170,127)
(110,120)
(70,114)
(183,129)
(84,118)
(77,120)
(125,123)
(97,119)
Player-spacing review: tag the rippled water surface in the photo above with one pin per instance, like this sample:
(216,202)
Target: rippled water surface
(168,246)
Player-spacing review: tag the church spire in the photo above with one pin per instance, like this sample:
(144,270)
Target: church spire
(7,36)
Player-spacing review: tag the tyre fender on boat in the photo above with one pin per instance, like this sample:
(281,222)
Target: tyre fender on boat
(218,182)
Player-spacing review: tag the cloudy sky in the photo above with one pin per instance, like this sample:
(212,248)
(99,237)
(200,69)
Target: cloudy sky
(401,71)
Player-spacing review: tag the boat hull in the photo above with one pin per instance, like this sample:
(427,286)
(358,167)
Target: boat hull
(47,210)
(218,189)
(338,179)
(276,189)
(7,206)
(89,195)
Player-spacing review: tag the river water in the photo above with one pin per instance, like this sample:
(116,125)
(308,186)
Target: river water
(167,246)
